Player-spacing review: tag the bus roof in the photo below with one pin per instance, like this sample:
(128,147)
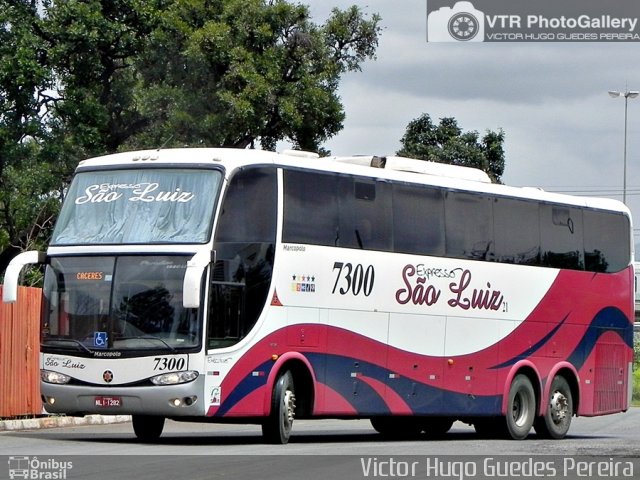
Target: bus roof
(376,167)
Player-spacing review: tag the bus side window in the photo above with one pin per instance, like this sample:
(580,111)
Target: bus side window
(345,211)
(607,246)
(244,245)
(418,220)
(468,226)
(364,214)
(248,210)
(310,208)
(561,237)
(516,225)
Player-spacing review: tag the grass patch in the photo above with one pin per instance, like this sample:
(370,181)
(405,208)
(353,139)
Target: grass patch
(635,398)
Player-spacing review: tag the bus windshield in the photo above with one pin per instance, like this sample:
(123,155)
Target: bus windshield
(138,206)
(117,303)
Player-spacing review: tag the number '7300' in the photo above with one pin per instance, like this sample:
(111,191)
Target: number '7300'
(171,363)
(353,279)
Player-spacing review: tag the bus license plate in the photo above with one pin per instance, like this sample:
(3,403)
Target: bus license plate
(108,401)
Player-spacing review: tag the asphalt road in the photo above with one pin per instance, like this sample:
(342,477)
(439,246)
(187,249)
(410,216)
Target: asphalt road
(323,449)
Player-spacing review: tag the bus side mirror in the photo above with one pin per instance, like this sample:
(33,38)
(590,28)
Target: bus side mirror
(193,278)
(12,274)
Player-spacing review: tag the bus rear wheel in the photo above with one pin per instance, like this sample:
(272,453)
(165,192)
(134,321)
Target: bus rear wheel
(521,407)
(147,428)
(556,420)
(276,428)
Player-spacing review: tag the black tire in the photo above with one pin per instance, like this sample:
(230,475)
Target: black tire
(383,425)
(521,408)
(397,427)
(276,428)
(147,428)
(557,417)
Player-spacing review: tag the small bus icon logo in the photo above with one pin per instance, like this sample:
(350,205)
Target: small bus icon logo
(18,467)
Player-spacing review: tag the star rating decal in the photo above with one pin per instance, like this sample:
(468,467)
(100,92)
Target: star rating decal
(303,283)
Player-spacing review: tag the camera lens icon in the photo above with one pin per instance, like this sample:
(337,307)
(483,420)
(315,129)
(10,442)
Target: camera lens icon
(462,23)
(463,26)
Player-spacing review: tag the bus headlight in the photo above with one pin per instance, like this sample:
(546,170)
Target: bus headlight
(54,377)
(174,378)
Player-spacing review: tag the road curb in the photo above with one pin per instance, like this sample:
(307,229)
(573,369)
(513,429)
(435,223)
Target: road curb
(60,421)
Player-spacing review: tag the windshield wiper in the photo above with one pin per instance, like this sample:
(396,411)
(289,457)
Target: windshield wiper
(149,337)
(77,343)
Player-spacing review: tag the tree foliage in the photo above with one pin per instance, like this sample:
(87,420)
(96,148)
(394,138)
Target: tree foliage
(447,143)
(236,72)
(25,201)
(81,78)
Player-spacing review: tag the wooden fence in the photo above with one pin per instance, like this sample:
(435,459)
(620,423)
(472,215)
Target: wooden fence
(19,354)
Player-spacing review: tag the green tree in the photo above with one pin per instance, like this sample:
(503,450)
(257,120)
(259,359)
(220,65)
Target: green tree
(447,143)
(93,48)
(87,77)
(25,200)
(237,72)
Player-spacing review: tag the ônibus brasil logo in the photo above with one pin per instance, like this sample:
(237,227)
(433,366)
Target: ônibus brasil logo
(34,468)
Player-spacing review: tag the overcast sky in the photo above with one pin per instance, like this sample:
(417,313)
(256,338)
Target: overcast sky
(563,131)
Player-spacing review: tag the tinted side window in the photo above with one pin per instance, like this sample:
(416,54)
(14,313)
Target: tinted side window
(249,209)
(310,208)
(418,220)
(606,241)
(244,245)
(516,227)
(365,214)
(468,226)
(562,237)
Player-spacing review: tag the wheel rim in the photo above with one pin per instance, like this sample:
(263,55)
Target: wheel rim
(520,409)
(288,412)
(558,407)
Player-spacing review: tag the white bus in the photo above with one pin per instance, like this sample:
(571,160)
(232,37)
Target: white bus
(248,286)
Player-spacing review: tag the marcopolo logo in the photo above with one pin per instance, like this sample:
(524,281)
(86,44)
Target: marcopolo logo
(524,21)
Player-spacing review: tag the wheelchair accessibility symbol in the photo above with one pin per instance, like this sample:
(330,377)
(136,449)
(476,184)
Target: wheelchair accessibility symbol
(100,339)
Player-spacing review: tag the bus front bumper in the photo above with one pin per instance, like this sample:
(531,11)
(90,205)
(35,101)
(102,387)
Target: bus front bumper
(185,399)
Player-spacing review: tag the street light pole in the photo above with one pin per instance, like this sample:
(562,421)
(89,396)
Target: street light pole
(627,94)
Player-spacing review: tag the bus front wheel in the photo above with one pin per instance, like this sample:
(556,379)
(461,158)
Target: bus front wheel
(147,428)
(276,428)
(556,420)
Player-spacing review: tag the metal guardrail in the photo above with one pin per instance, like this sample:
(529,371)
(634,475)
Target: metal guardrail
(636,327)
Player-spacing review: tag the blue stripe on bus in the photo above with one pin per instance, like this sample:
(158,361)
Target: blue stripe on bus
(609,319)
(531,350)
(245,387)
(422,399)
